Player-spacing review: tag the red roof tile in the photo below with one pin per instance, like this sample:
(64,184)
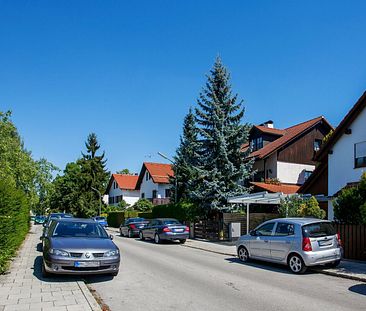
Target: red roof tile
(270,130)
(289,134)
(160,173)
(286,189)
(127,182)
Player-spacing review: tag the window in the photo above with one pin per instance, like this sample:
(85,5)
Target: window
(360,154)
(317,144)
(154,194)
(147,176)
(257,143)
(284,229)
(265,229)
(167,193)
(119,198)
(142,195)
(307,174)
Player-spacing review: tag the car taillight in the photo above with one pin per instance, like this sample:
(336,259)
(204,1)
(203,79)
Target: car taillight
(306,245)
(186,229)
(132,226)
(166,229)
(339,239)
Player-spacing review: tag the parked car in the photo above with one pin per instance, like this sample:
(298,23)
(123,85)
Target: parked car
(101,220)
(296,242)
(39,219)
(52,217)
(79,246)
(165,229)
(131,226)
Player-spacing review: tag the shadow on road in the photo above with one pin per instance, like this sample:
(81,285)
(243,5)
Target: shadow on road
(358,289)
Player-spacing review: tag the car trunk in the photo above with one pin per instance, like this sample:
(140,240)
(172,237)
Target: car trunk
(322,236)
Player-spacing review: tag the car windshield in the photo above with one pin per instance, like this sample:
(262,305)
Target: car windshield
(318,229)
(79,229)
(171,222)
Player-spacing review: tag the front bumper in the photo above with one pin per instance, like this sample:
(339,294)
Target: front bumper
(322,257)
(174,236)
(60,265)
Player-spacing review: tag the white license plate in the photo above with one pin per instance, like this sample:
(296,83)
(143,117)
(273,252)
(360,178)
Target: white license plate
(179,230)
(325,243)
(82,264)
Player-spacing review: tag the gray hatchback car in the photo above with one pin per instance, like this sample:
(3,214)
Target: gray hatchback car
(296,242)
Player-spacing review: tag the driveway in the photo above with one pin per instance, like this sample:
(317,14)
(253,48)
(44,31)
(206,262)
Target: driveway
(172,277)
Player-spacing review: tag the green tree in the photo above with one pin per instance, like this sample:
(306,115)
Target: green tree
(290,206)
(142,205)
(310,208)
(186,158)
(125,171)
(123,205)
(222,170)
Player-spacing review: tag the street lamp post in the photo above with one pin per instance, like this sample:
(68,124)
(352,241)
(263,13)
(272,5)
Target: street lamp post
(100,199)
(176,177)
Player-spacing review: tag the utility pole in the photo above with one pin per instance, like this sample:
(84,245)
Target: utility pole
(100,199)
(175,177)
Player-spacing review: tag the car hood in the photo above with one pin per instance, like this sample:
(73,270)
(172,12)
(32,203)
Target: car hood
(82,243)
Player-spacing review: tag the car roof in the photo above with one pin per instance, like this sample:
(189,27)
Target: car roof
(164,219)
(86,220)
(298,220)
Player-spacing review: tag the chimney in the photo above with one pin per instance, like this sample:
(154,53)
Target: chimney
(268,124)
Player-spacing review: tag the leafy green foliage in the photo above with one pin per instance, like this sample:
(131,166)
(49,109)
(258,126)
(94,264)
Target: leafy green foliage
(142,205)
(296,206)
(221,171)
(350,205)
(183,211)
(125,171)
(115,218)
(310,208)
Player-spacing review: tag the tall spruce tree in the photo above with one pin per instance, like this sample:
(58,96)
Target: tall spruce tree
(221,170)
(186,158)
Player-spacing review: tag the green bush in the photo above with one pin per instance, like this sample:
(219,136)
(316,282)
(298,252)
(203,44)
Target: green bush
(310,208)
(142,205)
(14,221)
(115,219)
(182,211)
(296,206)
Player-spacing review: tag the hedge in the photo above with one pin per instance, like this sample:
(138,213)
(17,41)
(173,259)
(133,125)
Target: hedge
(115,218)
(14,222)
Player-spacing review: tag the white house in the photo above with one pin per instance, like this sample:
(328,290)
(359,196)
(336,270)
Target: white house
(122,187)
(343,156)
(154,182)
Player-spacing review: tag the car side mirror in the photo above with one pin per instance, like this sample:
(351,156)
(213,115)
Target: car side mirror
(252,232)
(111,237)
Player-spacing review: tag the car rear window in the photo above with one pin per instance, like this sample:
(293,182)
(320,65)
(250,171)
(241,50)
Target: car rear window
(171,222)
(318,229)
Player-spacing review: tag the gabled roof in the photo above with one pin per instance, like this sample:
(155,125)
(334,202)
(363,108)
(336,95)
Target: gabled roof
(289,134)
(342,127)
(284,188)
(269,130)
(126,182)
(159,172)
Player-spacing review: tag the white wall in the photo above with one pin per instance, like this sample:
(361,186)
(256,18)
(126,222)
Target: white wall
(147,187)
(130,196)
(292,173)
(341,168)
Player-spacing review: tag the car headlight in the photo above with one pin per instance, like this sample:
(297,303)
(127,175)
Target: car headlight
(111,253)
(58,252)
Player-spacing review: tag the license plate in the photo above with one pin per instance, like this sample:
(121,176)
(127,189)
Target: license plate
(82,264)
(179,230)
(325,243)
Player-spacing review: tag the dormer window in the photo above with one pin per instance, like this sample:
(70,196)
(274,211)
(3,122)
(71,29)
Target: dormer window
(257,143)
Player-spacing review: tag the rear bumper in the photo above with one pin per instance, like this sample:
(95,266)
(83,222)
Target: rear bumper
(322,257)
(67,266)
(174,236)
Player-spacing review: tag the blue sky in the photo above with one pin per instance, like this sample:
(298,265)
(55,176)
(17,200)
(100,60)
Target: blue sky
(130,70)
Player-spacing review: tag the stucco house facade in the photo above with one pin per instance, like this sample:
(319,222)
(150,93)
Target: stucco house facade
(122,187)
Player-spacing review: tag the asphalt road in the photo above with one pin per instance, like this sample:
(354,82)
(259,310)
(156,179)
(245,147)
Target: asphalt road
(173,277)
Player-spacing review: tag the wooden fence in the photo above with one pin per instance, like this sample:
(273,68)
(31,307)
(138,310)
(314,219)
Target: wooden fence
(207,229)
(353,240)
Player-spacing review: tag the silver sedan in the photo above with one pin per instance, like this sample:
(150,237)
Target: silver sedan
(79,246)
(296,242)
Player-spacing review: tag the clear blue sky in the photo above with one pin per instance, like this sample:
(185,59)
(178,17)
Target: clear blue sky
(130,70)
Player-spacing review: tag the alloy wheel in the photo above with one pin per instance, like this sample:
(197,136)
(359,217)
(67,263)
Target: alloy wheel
(296,264)
(243,254)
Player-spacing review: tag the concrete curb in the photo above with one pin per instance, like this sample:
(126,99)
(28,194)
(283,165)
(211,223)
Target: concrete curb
(89,297)
(326,272)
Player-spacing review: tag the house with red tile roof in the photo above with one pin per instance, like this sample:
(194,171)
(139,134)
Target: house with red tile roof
(342,157)
(284,158)
(154,182)
(122,187)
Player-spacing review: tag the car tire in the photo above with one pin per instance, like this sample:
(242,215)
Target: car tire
(296,264)
(182,241)
(120,232)
(141,236)
(243,254)
(157,238)
(130,234)
(45,274)
(333,264)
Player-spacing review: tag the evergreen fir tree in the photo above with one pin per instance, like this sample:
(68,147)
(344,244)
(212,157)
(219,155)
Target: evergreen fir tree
(221,170)
(186,158)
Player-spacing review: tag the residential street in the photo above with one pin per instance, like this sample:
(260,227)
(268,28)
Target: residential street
(172,277)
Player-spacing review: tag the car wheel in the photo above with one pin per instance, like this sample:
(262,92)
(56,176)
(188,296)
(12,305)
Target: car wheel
(182,241)
(333,264)
(45,274)
(141,236)
(157,238)
(243,254)
(130,234)
(296,264)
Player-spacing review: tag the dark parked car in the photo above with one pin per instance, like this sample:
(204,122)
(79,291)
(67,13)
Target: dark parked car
(131,227)
(79,246)
(165,229)
(102,220)
(52,217)
(39,219)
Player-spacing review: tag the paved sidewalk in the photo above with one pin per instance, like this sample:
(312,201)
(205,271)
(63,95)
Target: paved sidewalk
(24,288)
(347,269)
